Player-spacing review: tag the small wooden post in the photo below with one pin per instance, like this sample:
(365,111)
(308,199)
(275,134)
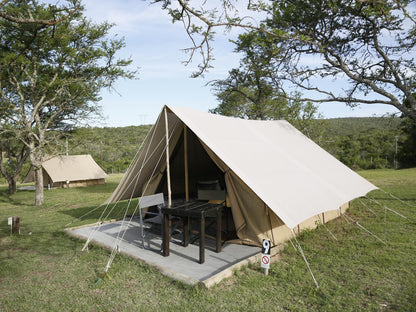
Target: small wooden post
(15,225)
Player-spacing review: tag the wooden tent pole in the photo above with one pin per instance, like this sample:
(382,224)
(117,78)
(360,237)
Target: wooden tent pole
(185,144)
(167,159)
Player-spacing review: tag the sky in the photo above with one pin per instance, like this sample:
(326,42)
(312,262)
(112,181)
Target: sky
(156,46)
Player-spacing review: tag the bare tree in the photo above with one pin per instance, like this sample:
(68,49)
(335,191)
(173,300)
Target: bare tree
(370,44)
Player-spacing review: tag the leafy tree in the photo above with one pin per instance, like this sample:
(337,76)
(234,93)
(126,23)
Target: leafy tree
(252,92)
(13,155)
(370,44)
(26,17)
(51,77)
(407,150)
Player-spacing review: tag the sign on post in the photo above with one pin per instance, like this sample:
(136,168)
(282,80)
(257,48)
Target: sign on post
(265,247)
(14,223)
(265,256)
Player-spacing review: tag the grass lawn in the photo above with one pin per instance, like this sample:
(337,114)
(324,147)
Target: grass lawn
(43,269)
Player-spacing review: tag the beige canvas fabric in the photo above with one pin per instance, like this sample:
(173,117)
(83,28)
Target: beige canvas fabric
(273,174)
(70,168)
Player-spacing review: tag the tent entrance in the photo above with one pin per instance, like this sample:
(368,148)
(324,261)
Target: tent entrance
(200,168)
(203,174)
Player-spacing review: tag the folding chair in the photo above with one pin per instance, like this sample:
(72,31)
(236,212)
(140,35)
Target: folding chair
(146,202)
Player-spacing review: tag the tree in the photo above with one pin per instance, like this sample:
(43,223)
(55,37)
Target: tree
(407,150)
(370,44)
(51,77)
(252,92)
(26,17)
(13,155)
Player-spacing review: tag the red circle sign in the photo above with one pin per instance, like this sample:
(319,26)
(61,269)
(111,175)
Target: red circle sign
(265,259)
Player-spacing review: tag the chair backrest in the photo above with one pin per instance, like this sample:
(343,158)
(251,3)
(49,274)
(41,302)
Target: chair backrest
(210,190)
(151,200)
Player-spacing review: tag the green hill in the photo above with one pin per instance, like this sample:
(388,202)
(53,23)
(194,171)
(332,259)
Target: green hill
(112,148)
(360,143)
(364,143)
(353,126)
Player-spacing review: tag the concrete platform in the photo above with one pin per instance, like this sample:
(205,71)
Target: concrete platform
(182,263)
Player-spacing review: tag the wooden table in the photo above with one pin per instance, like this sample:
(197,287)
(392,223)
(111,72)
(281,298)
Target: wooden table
(197,210)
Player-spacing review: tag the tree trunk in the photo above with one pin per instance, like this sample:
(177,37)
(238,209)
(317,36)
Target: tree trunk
(39,187)
(12,186)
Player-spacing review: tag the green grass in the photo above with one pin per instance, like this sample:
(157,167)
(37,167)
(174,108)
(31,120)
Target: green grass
(43,269)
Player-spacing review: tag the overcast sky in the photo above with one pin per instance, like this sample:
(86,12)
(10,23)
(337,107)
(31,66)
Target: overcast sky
(155,45)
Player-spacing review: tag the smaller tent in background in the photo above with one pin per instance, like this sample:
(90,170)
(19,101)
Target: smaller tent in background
(71,171)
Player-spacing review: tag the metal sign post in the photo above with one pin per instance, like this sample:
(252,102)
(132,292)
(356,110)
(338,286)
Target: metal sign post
(265,256)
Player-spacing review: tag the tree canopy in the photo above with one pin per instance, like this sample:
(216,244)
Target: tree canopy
(26,17)
(369,44)
(51,77)
(251,91)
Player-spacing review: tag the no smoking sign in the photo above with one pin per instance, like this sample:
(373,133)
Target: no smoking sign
(265,257)
(265,261)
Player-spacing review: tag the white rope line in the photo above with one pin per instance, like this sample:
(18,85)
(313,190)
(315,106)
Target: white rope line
(385,207)
(110,260)
(152,130)
(332,234)
(120,238)
(363,228)
(145,161)
(345,218)
(100,222)
(138,205)
(86,214)
(98,226)
(304,258)
(395,197)
(293,245)
(145,158)
(366,206)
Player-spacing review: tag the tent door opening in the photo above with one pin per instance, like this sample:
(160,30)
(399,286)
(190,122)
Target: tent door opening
(205,181)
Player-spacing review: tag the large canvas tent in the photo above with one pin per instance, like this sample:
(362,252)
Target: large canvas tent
(70,171)
(276,179)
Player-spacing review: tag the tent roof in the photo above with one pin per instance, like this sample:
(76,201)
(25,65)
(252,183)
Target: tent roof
(73,168)
(295,177)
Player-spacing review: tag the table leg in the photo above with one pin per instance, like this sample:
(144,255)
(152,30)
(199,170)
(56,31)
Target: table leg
(185,231)
(219,221)
(166,235)
(202,241)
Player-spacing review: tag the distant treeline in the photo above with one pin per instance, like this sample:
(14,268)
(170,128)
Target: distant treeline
(112,148)
(365,143)
(360,143)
